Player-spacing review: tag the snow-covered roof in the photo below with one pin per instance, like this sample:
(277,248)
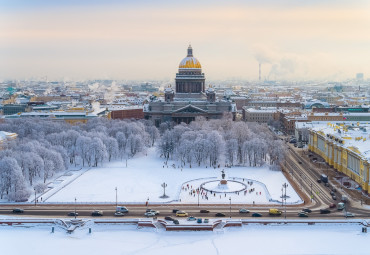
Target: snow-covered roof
(355,136)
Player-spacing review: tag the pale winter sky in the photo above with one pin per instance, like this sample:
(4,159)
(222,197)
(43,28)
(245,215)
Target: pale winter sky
(293,39)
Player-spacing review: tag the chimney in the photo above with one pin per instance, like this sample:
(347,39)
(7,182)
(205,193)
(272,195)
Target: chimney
(260,72)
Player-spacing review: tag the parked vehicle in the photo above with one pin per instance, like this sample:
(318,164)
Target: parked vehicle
(332,193)
(119,214)
(122,209)
(220,215)
(274,212)
(243,210)
(73,214)
(324,211)
(334,189)
(175,210)
(341,206)
(181,214)
(332,205)
(191,218)
(334,197)
(176,222)
(307,210)
(199,220)
(319,180)
(256,214)
(18,210)
(204,211)
(169,218)
(300,145)
(97,213)
(206,221)
(302,214)
(324,178)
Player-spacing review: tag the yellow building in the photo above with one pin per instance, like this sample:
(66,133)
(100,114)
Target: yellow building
(346,147)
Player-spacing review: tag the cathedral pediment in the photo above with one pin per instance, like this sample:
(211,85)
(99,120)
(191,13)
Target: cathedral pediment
(190,109)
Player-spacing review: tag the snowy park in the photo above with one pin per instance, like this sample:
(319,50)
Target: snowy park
(145,173)
(250,239)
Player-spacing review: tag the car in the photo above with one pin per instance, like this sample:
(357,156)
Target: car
(332,205)
(300,162)
(119,214)
(300,146)
(204,211)
(332,193)
(319,180)
(169,218)
(97,213)
(220,215)
(176,222)
(199,220)
(181,214)
(295,144)
(175,210)
(191,218)
(307,210)
(18,210)
(256,214)
(72,214)
(243,210)
(326,184)
(149,214)
(334,189)
(302,214)
(348,214)
(334,197)
(153,211)
(324,211)
(206,221)
(122,209)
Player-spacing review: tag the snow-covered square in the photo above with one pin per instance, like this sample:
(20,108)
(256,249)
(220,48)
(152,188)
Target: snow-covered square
(142,179)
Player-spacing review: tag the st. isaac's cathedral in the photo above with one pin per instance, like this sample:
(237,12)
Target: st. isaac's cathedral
(190,99)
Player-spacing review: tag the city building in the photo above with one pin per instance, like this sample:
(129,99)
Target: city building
(260,114)
(345,146)
(190,98)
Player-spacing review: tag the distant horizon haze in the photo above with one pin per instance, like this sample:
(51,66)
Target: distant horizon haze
(293,41)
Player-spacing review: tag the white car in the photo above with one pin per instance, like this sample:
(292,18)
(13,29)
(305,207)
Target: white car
(349,215)
(149,214)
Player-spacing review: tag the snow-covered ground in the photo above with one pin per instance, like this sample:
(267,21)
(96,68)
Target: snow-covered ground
(250,239)
(144,175)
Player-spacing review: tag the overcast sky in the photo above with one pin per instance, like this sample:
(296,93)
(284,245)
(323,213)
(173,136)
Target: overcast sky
(293,40)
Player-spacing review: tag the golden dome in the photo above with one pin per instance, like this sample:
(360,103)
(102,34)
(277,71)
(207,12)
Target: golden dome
(190,61)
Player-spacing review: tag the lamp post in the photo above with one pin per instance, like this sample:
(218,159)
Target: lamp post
(285,185)
(230,206)
(164,185)
(116,199)
(311,191)
(147,203)
(35,195)
(198,196)
(75,207)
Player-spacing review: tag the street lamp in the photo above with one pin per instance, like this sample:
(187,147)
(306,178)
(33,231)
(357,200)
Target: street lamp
(75,207)
(35,195)
(285,185)
(311,191)
(116,198)
(147,203)
(230,206)
(198,196)
(164,185)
